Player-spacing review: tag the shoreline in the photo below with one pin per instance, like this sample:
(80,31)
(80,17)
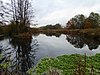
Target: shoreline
(95,31)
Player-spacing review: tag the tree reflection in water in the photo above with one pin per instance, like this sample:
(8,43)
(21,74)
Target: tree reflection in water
(22,52)
(79,41)
(52,34)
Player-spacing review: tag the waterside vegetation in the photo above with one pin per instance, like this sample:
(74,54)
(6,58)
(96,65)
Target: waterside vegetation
(74,64)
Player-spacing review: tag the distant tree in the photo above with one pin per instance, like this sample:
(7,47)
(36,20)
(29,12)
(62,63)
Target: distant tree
(80,21)
(70,24)
(49,27)
(57,26)
(95,19)
(77,22)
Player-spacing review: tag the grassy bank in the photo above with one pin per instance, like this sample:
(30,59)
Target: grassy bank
(69,65)
(95,31)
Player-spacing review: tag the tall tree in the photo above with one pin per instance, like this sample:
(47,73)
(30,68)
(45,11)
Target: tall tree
(80,21)
(19,11)
(77,22)
(95,19)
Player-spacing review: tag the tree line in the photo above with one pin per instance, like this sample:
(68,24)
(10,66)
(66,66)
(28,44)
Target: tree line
(56,26)
(82,22)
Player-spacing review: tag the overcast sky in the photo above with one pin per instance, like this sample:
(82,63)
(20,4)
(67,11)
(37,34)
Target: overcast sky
(60,11)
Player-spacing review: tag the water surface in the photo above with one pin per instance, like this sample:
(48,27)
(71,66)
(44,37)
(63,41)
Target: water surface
(27,53)
(52,46)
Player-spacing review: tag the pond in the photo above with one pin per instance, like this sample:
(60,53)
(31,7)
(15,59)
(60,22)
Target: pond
(52,46)
(25,54)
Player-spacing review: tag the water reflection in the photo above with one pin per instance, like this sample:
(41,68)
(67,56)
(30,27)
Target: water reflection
(1,38)
(53,34)
(79,41)
(22,52)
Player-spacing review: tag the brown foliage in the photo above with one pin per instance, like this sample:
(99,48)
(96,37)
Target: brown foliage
(88,24)
(70,24)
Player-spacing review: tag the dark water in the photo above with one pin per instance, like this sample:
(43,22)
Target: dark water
(26,53)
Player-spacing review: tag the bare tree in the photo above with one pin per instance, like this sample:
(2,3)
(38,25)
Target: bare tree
(18,11)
